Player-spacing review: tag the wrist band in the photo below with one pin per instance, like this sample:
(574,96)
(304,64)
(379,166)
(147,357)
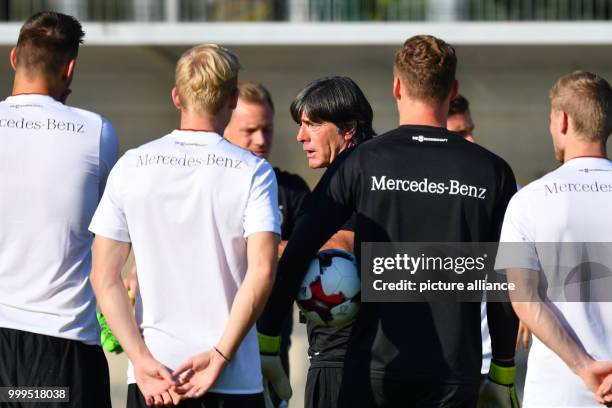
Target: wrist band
(502,375)
(222,355)
(268,344)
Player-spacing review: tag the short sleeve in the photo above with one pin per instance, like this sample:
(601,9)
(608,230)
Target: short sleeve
(109,152)
(261,213)
(517,247)
(109,219)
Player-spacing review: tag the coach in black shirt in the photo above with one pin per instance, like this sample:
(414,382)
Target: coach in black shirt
(409,354)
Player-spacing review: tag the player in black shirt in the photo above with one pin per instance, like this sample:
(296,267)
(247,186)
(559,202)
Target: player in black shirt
(334,115)
(410,354)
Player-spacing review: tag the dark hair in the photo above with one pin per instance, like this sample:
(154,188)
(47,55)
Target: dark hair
(254,93)
(426,65)
(459,105)
(47,40)
(337,100)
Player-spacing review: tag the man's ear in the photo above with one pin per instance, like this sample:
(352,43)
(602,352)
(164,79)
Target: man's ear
(350,134)
(176,100)
(564,123)
(13,58)
(68,70)
(397,87)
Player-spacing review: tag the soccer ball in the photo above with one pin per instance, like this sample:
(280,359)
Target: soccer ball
(330,293)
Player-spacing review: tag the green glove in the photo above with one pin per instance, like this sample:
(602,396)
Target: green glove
(107,338)
(272,367)
(498,390)
(268,344)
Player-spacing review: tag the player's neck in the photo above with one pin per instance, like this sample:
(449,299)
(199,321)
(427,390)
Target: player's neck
(418,113)
(36,85)
(583,149)
(203,122)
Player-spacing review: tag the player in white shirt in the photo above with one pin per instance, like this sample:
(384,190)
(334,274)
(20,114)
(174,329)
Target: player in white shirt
(571,353)
(54,161)
(197,211)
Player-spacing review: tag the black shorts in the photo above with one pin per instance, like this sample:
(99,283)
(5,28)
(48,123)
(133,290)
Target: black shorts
(35,360)
(135,399)
(379,393)
(323,387)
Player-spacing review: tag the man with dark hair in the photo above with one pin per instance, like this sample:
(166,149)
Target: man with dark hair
(55,161)
(387,362)
(334,116)
(563,222)
(460,118)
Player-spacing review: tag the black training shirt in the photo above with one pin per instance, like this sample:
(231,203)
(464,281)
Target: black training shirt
(406,341)
(292,190)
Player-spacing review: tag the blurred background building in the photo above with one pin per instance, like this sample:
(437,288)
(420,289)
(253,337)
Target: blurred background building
(510,53)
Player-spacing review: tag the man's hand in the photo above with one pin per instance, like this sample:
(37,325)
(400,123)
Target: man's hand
(199,373)
(273,372)
(593,374)
(272,367)
(498,391)
(522,337)
(155,381)
(604,393)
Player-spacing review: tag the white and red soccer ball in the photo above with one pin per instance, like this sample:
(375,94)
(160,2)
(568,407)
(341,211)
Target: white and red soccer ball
(330,292)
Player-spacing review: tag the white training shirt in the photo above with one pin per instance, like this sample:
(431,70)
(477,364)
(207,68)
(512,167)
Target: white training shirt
(187,202)
(54,161)
(570,204)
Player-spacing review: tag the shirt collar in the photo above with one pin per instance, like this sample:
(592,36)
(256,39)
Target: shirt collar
(196,136)
(29,98)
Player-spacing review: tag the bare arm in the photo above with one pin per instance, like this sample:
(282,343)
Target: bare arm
(253,293)
(203,369)
(109,257)
(281,247)
(342,239)
(544,323)
(522,337)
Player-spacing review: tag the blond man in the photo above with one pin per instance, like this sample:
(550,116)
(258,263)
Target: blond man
(569,204)
(197,210)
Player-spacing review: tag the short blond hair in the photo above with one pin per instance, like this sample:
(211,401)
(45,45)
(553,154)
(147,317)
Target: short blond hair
(206,75)
(587,99)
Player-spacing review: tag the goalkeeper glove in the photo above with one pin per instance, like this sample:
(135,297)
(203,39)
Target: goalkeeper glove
(498,390)
(107,338)
(271,366)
